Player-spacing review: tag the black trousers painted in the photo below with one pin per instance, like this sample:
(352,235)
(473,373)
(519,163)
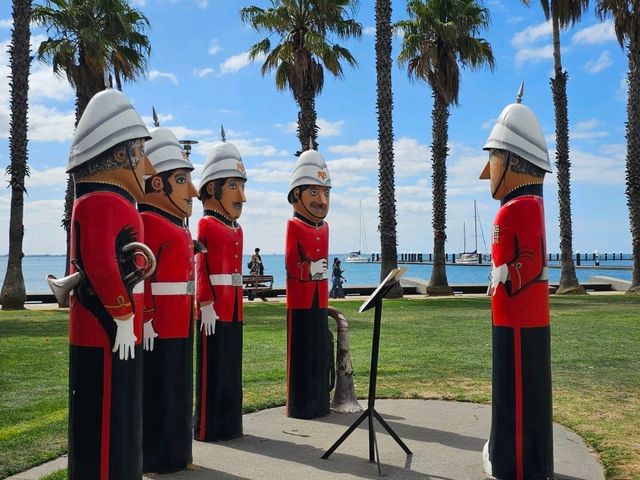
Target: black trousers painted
(105,415)
(309,360)
(218,409)
(532,407)
(168,403)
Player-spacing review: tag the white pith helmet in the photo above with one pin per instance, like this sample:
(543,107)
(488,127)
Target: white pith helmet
(108,120)
(223,161)
(164,151)
(310,169)
(517,130)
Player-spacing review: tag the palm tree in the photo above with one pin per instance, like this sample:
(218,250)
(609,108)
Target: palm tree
(439,37)
(303,51)
(626,21)
(87,38)
(386,177)
(562,14)
(13,293)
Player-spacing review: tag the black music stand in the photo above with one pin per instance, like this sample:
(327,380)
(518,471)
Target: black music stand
(375,300)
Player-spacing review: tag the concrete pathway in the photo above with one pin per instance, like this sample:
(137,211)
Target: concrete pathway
(446,439)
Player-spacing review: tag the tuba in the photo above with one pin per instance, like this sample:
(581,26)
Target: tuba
(61,287)
(344,396)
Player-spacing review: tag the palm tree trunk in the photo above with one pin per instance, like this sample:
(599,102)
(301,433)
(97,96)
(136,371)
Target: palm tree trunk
(633,158)
(438,284)
(386,176)
(568,280)
(13,295)
(307,118)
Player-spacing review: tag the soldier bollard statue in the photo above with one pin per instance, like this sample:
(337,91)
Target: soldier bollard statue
(168,309)
(520,445)
(306,257)
(108,164)
(218,408)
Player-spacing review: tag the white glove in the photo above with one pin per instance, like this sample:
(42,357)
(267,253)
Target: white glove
(499,275)
(319,269)
(148,334)
(125,339)
(209,317)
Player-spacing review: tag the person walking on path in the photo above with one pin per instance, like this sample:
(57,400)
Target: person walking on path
(336,280)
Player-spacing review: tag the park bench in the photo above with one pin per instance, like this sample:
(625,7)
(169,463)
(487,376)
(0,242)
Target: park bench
(257,284)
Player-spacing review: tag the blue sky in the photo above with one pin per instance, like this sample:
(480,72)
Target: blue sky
(199,78)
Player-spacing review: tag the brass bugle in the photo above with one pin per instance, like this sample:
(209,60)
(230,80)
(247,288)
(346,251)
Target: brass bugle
(139,249)
(61,287)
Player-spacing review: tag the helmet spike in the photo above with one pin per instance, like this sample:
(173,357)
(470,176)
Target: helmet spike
(310,143)
(223,137)
(156,122)
(520,93)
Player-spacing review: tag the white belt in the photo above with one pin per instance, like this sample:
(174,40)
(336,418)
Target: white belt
(233,279)
(544,274)
(173,288)
(138,288)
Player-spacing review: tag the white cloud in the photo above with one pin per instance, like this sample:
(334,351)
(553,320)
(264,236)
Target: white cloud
(595,34)
(586,130)
(153,74)
(369,31)
(47,124)
(534,55)
(203,72)
(529,35)
(598,169)
(6,23)
(52,177)
(329,129)
(602,62)
(214,47)
(237,62)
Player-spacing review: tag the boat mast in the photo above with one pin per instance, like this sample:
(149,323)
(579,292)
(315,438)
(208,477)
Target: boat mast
(475,224)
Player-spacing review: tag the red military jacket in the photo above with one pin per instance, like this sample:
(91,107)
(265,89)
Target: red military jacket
(219,271)
(169,291)
(103,220)
(519,241)
(306,242)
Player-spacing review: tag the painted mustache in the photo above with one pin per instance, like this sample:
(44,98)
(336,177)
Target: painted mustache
(319,206)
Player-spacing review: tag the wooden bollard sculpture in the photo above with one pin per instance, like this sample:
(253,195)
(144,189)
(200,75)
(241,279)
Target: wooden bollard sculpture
(306,257)
(108,164)
(218,408)
(520,445)
(168,312)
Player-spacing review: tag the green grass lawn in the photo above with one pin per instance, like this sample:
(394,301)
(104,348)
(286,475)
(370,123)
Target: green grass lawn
(430,348)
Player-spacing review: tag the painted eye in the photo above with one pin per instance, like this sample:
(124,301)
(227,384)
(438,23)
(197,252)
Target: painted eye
(181,179)
(313,192)
(326,193)
(232,185)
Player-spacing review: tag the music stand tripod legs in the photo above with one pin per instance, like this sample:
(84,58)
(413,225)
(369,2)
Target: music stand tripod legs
(370,411)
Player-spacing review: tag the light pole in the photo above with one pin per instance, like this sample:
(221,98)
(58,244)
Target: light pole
(186,145)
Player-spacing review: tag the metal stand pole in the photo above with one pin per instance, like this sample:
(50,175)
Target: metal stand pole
(370,412)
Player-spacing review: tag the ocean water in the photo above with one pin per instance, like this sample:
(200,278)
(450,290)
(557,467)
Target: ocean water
(36,269)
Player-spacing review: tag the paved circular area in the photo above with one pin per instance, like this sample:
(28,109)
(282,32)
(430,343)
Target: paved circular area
(446,439)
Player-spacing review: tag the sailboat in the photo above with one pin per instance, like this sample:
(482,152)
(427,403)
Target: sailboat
(470,257)
(358,256)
